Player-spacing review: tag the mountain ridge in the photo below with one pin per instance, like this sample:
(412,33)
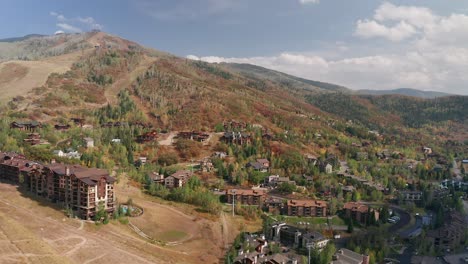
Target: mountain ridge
(405,91)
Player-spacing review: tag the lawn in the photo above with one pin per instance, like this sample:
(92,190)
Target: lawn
(171,236)
(311,220)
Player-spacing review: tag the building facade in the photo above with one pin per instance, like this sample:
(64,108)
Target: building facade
(360,212)
(307,208)
(83,190)
(247,197)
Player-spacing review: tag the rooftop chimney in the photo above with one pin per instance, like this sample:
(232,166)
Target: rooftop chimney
(365,259)
(67,171)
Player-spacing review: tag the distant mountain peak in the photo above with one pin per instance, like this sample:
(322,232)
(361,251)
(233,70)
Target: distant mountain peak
(15,39)
(406,92)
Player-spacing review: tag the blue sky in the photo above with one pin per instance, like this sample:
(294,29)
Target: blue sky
(357,43)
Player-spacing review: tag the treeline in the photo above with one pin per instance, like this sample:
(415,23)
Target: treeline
(417,112)
(192,193)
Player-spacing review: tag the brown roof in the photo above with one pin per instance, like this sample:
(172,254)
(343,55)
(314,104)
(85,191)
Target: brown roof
(307,203)
(354,206)
(83,173)
(183,174)
(245,192)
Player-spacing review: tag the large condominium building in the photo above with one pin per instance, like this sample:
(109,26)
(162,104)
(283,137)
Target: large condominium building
(250,197)
(83,190)
(307,208)
(359,212)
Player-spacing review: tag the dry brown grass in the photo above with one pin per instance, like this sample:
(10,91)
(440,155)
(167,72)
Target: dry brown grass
(18,78)
(41,233)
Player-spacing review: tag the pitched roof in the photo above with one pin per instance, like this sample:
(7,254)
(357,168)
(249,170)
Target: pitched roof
(245,192)
(182,174)
(346,256)
(82,173)
(354,206)
(307,203)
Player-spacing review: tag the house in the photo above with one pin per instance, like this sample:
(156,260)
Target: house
(451,234)
(71,154)
(308,179)
(178,179)
(61,127)
(464,166)
(275,180)
(238,138)
(296,237)
(142,160)
(33,139)
(346,256)
(88,142)
(206,165)
(234,125)
(359,212)
(315,240)
(147,137)
(26,125)
(411,196)
(59,153)
(311,159)
(314,208)
(326,167)
(347,189)
(194,135)
(247,197)
(384,154)
(265,163)
(219,155)
(274,205)
(257,166)
(157,178)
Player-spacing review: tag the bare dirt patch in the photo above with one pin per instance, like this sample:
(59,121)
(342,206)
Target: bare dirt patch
(20,77)
(37,233)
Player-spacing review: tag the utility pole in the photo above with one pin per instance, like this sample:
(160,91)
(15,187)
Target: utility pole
(233,200)
(308,247)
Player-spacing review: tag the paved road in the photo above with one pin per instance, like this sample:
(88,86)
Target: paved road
(405,218)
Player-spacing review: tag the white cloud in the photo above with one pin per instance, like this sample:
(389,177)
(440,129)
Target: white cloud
(309,1)
(429,55)
(413,15)
(69,28)
(77,24)
(371,28)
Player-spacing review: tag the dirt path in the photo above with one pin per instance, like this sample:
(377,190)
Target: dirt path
(225,230)
(170,138)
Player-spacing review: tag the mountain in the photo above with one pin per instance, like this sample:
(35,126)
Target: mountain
(123,91)
(405,91)
(15,39)
(285,80)
(77,74)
